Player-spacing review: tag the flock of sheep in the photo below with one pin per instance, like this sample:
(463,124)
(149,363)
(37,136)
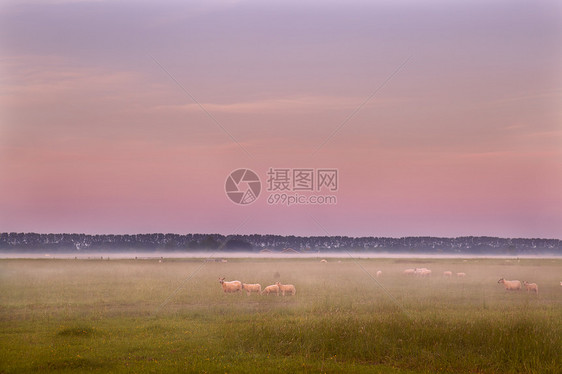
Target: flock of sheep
(425,272)
(236,286)
(515,285)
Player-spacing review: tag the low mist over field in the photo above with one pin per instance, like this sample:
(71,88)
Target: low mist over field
(152,315)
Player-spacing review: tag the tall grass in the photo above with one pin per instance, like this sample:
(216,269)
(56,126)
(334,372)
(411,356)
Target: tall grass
(123,316)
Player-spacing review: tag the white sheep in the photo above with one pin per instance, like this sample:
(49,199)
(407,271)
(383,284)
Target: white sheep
(323,261)
(531,287)
(256,287)
(379,273)
(513,285)
(271,289)
(422,272)
(232,286)
(447,273)
(286,288)
(461,275)
(409,272)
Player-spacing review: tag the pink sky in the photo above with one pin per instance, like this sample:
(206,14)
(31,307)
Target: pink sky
(465,139)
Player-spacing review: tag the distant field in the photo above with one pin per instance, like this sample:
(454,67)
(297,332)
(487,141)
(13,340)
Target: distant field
(144,316)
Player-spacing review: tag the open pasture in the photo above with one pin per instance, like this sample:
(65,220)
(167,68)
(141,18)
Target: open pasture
(144,316)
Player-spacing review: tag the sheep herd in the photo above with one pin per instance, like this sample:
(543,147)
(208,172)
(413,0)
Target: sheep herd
(425,272)
(513,285)
(277,288)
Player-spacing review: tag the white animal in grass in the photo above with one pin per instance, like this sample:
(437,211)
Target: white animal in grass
(323,261)
(289,288)
(447,273)
(461,275)
(531,287)
(512,285)
(271,289)
(249,288)
(379,273)
(409,272)
(232,286)
(423,272)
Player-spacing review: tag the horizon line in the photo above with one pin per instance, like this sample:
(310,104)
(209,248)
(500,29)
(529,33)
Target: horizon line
(288,235)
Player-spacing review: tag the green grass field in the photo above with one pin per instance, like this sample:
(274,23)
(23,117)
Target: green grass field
(143,316)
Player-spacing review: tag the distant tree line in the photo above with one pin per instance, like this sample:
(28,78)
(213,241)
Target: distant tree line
(32,242)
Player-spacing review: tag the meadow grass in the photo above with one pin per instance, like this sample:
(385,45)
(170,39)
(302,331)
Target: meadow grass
(143,316)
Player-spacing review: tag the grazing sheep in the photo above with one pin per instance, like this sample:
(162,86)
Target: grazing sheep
(271,289)
(323,261)
(286,288)
(531,287)
(379,273)
(460,275)
(232,286)
(252,288)
(513,285)
(422,272)
(409,272)
(447,273)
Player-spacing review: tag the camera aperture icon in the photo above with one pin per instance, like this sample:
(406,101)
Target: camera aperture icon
(242,186)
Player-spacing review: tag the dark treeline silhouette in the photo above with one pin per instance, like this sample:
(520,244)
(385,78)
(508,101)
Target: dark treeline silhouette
(32,242)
